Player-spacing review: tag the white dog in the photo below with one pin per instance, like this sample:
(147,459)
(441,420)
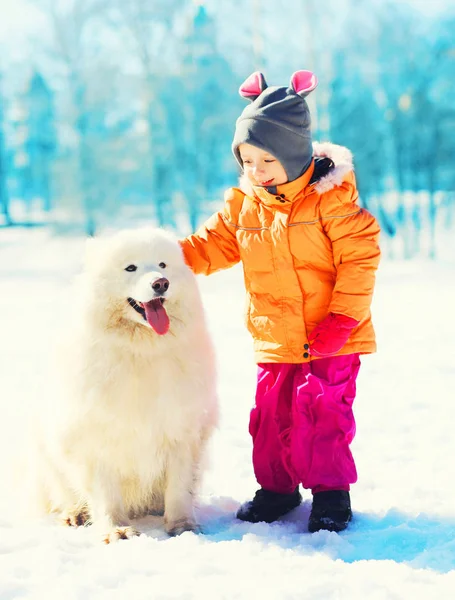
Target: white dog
(127,436)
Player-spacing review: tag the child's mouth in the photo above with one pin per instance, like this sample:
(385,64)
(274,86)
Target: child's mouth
(267,183)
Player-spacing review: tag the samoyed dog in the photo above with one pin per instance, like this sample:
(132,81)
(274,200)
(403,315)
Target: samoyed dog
(127,434)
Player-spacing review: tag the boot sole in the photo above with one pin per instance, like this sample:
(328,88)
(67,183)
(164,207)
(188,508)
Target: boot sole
(329,526)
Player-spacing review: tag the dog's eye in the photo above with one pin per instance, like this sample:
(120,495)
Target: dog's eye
(131,268)
(162,265)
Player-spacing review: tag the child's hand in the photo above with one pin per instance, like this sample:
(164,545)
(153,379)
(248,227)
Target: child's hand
(331,334)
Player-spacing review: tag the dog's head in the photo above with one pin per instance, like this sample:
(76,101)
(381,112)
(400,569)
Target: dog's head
(141,276)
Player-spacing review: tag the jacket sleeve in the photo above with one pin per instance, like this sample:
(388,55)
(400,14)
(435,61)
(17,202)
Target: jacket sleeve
(214,245)
(354,234)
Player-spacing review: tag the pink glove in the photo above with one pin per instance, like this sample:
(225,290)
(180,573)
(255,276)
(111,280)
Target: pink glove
(331,334)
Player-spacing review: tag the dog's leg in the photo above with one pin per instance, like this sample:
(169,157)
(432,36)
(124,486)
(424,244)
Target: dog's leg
(178,494)
(200,461)
(54,493)
(106,508)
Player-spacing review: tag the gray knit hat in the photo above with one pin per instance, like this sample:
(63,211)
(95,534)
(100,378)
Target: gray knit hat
(277,121)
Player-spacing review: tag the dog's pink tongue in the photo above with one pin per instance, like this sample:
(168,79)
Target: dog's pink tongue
(156,316)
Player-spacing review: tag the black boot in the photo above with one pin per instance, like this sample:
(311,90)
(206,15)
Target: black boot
(268,506)
(330,511)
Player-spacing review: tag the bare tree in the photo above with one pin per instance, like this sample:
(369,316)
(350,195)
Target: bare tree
(80,62)
(152,31)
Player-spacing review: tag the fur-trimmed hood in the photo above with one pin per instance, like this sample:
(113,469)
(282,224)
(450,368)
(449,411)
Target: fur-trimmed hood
(334,174)
(342,161)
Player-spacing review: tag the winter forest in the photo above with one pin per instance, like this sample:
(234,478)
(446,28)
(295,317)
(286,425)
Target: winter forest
(114,111)
(121,113)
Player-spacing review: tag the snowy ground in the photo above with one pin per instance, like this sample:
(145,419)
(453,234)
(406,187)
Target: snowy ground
(401,544)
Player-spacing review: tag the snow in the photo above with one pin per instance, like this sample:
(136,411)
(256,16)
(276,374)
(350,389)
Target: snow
(401,543)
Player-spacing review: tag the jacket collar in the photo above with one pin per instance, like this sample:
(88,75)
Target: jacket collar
(343,166)
(287,193)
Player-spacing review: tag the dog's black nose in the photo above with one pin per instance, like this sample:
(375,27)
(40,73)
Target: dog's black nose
(160,285)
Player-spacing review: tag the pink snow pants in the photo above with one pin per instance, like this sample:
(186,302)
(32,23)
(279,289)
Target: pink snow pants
(302,424)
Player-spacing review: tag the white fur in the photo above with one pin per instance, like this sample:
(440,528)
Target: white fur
(342,158)
(128,432)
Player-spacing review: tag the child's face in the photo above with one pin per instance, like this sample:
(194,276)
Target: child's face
(260,167)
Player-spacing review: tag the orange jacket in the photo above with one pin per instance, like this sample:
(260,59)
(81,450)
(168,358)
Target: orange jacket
(306,251)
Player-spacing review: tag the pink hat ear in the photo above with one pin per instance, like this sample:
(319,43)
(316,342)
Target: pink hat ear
(303,82)
(253,86)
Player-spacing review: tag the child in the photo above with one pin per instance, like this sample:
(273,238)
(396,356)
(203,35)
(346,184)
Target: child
(309,256)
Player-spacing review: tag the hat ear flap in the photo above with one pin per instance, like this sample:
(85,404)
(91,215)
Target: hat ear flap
(303,82)
(253,86)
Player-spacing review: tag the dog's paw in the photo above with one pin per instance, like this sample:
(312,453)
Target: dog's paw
(120,533)
(76,518)
(179,526)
